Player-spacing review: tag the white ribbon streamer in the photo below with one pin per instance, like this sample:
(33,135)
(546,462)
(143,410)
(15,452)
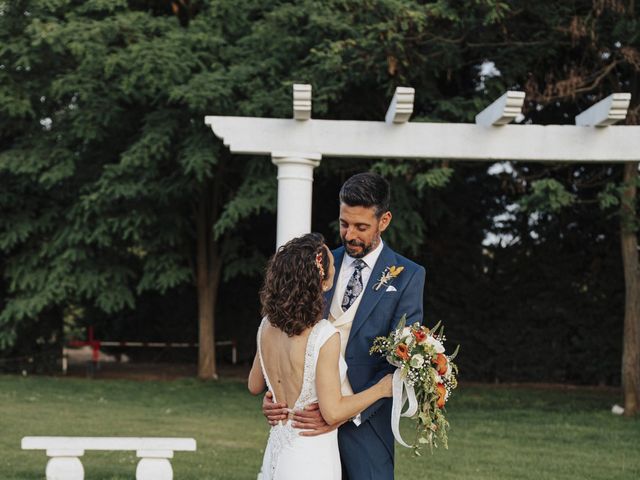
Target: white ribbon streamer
(401,393)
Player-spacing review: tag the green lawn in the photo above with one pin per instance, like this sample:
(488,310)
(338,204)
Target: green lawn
(497,432)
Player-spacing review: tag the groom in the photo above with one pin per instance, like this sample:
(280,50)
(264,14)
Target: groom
(373,288)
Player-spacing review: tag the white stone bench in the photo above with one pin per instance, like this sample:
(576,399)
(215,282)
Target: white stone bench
(154,454)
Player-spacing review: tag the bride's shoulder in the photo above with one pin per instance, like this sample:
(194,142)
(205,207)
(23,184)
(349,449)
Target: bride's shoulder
(325,330)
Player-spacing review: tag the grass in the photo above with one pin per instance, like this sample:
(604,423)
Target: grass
(496,433)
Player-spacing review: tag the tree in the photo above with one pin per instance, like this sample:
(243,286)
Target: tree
(596,50)
(115,186)
(113,181)
(565,56)
(124,90)
(629,242)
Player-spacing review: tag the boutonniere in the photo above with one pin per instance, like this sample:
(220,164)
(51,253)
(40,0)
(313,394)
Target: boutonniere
(388,274)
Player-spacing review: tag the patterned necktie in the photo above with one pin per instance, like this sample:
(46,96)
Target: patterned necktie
(354,287)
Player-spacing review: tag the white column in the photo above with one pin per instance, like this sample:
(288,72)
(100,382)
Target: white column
(295,188)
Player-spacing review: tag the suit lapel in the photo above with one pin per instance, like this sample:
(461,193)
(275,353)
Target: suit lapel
(338,255)
(371,296)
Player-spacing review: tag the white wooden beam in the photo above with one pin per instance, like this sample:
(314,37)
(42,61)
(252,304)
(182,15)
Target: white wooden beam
(463,141)
(606,112)
(503,110)
(401,106)
(301,101)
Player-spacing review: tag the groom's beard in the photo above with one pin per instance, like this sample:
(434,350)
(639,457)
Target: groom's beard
(358,252)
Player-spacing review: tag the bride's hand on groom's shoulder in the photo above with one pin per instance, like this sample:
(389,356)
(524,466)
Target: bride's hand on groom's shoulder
(274,412)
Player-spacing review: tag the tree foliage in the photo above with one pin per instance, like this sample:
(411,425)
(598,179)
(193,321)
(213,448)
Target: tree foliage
(105,154)
(106,165)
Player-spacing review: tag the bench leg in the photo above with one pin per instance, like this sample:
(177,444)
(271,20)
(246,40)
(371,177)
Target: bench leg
(154,469)
(64,468)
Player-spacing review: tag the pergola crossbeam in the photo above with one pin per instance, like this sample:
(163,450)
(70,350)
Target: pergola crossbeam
(606,112)
(401,106)
(504,110)
(302,101)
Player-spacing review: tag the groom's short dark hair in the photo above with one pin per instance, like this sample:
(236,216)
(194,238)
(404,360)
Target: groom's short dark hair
(366,190)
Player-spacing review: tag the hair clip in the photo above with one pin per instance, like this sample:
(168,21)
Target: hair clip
(319,264)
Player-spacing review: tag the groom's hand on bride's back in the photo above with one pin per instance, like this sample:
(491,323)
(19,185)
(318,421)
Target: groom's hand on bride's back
(310,419)
(274,412)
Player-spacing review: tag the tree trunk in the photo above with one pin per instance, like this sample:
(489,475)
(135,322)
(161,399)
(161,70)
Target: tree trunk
(631,340)
(208,271)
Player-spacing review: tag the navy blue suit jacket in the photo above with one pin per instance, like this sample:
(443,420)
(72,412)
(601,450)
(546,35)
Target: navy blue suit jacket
(377,315)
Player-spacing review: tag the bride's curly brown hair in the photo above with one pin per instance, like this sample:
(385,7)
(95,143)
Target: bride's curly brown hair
(291,295)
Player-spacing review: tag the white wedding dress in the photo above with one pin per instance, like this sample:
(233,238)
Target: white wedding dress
(288,455)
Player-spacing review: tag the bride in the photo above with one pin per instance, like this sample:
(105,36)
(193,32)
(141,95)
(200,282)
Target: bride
(299,361)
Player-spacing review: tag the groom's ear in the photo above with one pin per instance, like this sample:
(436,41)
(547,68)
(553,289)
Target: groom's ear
(384,221)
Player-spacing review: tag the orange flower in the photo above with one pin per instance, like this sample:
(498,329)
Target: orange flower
(402,351)
(420,335)
(441,363)
(442,392)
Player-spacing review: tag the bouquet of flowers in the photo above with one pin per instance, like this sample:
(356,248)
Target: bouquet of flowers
(425,377)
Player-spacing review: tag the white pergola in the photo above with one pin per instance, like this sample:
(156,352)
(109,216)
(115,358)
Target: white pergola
(297,145)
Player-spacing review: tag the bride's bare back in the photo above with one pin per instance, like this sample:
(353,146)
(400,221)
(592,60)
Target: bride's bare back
(283,358)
